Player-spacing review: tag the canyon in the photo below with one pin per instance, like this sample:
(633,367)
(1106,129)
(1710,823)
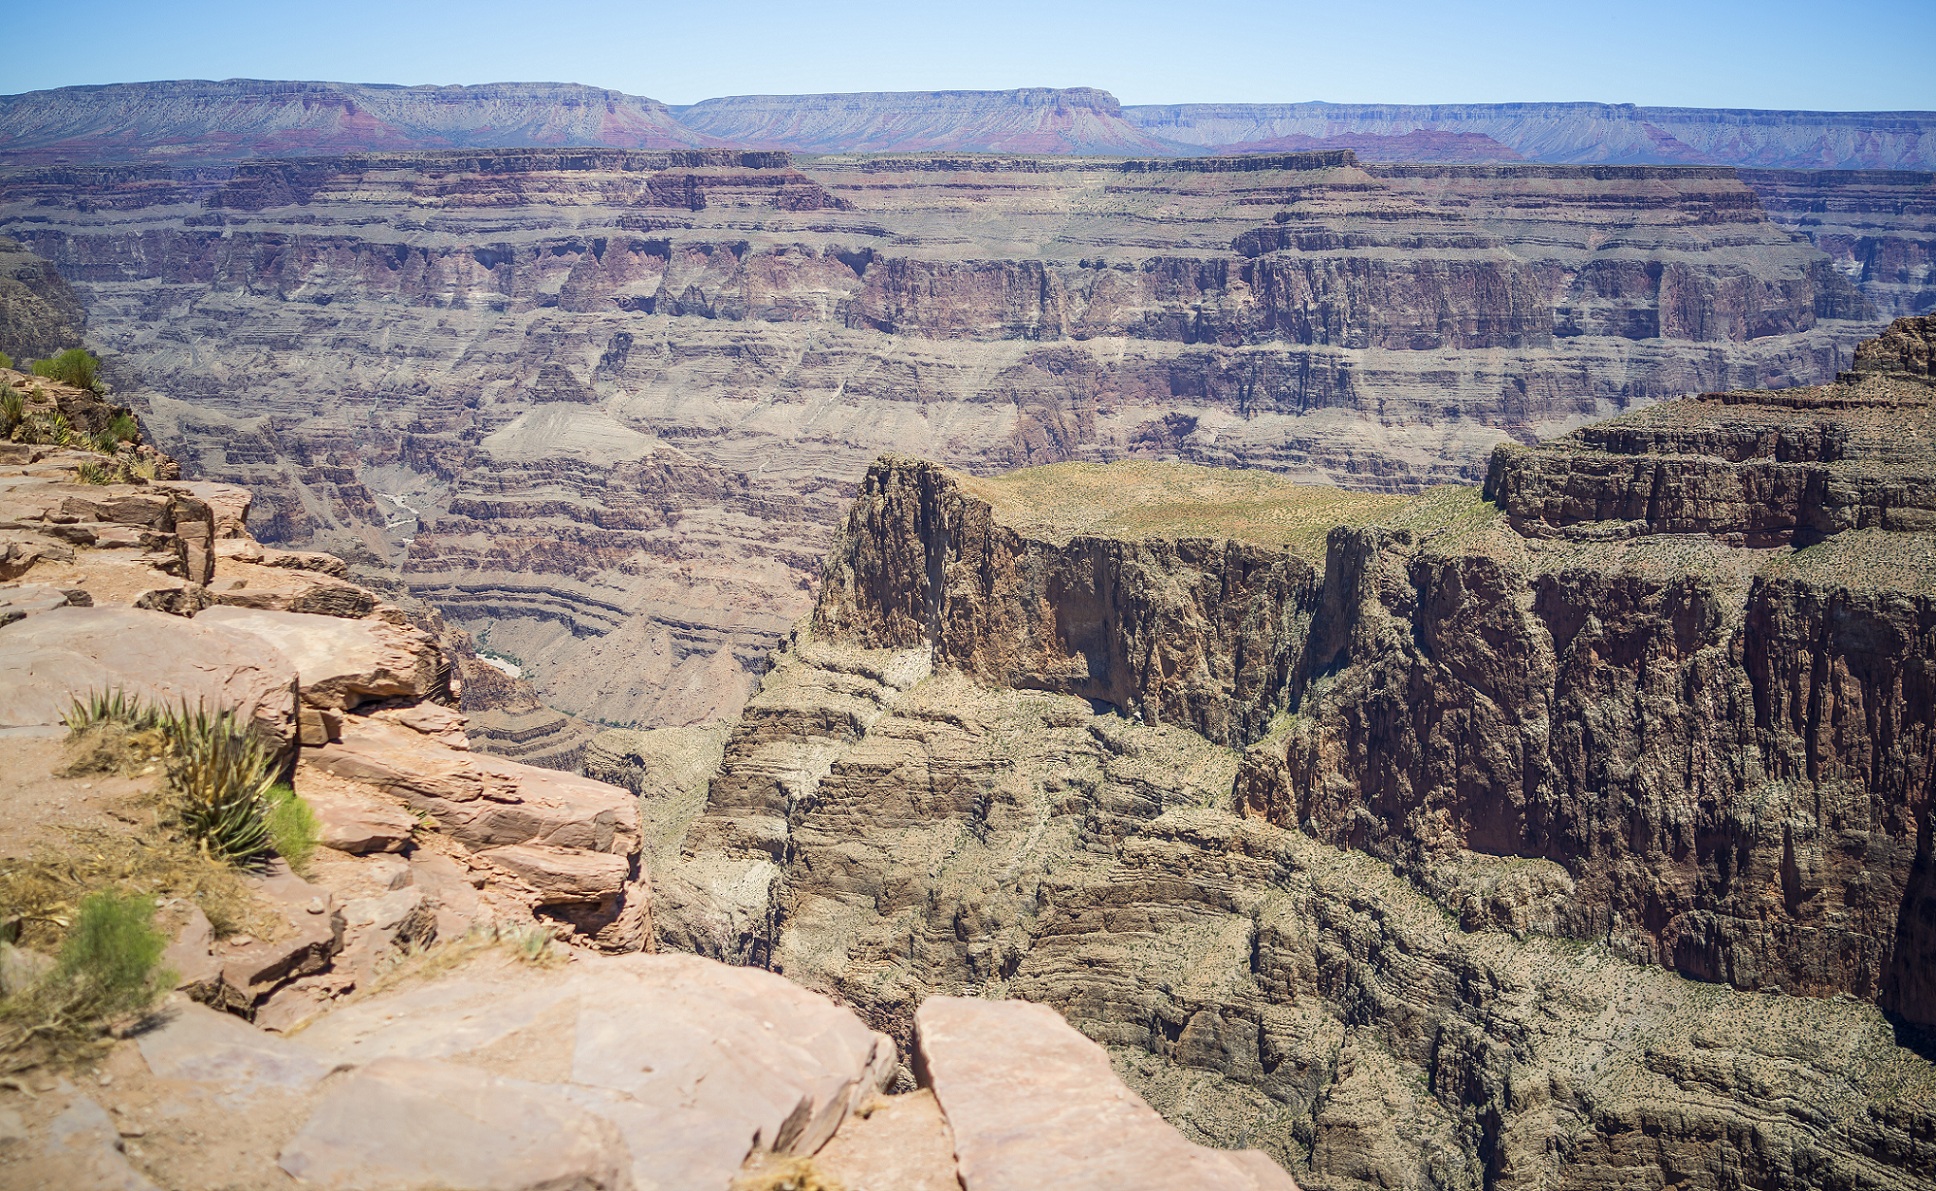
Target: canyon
(602,408)
(1373,830)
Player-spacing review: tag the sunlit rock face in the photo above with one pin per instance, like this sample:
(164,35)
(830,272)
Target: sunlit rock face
(603,407)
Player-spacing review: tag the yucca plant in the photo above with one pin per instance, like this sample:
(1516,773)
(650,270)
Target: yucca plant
(45,428)
(220,775)
(90,472)
(13,409)
(110,706)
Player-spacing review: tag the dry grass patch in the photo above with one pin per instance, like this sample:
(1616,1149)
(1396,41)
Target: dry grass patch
(772,1173)
(1139,499)
(40,895)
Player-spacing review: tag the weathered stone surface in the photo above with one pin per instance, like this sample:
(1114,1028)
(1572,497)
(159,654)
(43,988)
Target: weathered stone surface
(308,932)
(352,818)
(50,658)
(200,1045)
(412,1125)
(561,874)
(483,801)
(83,1152)
(1032,1103)
(191,953)
(344,663)
(902,1143)
(696,1065)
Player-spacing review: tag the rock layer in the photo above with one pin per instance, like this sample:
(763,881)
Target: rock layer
(602,408)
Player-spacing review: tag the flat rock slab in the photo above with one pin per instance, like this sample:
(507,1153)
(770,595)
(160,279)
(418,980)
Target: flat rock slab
(1033,1104)
(696,1064)
(51,657)
(417,1125)
(903,1144)
(351,817)
(197,1044)
(341,663)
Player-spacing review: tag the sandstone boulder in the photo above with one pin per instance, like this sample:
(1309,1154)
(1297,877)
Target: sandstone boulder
(483,801)
(50,658)
(1033,1104)
(562,875)
(343,663)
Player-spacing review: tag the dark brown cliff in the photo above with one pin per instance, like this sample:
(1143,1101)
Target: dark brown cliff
(1688,656)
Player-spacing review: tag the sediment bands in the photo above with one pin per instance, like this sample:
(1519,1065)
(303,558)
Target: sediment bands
(1717,716)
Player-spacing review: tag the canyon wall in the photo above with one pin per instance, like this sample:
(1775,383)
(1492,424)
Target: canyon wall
(603,407)
(1571,833)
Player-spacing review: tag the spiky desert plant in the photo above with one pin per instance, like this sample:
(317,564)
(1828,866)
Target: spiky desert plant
(220,775)
(45,428)
(110,706)
(13,409)
(90,472)
(76,366)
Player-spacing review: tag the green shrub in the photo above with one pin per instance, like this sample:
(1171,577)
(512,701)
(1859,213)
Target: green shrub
(293,828)
(13,409)
(112,955)
(90,472)
(76,366)
(123,428)
(109,967)
(6,361)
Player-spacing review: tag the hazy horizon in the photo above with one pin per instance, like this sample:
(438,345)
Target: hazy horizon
(1766,56)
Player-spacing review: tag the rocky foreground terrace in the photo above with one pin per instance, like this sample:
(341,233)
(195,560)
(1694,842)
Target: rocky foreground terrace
(1571,831)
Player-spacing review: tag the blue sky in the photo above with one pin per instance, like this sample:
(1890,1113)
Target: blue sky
(1844,55)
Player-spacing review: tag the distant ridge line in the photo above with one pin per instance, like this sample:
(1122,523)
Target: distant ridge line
(197,122)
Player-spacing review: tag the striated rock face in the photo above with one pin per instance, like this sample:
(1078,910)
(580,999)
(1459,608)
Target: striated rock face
(1878,226)
(40,315)
(1576,133)
(1028,120)
(1564,840)
(603,409)
(201,121)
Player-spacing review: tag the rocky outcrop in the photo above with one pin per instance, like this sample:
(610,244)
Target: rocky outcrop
(1070,1123)
(603,408)
(921,563)
(155,588)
